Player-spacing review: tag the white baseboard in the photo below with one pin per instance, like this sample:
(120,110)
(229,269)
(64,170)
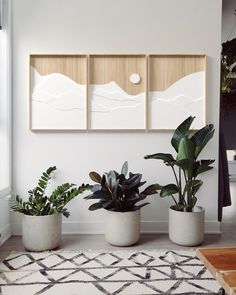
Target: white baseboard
(78,227)
(5,233)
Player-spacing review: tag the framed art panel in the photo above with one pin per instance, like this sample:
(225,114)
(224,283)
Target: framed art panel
(117,92)
(58,92)
(176,90)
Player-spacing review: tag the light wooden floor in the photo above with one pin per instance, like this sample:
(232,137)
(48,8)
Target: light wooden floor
(147,241)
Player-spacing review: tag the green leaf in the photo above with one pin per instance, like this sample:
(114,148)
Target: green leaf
(151,189)
(168,190)
(181,131)
(202,166)
(203,169)
(95,177)
(186,149)
(201,138)
(184,164)
(51,169)
(124,169)
(161,156)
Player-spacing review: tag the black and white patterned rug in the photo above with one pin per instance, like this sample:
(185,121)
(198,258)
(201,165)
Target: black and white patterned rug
(99,273)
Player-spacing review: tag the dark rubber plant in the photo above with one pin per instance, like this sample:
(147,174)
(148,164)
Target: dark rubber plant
(118,192)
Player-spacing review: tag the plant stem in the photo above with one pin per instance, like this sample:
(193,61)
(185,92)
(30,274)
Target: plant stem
(174,200)
(176,179)
(180,187)
(186,189)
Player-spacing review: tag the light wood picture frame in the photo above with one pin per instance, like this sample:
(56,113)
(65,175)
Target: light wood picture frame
(116,92)
(177,89)
(58,92)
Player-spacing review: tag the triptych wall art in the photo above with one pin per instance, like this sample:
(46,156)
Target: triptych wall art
(116,92)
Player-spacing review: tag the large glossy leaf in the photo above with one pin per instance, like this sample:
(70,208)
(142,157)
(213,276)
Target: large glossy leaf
(168,190)
(137,207)
(96,187)
(186,152)
(201,138)
(112,177)
(95,177)
(98,195)
(108,204)
(186,149)
(124,169)
(181,131)
(161,156)
(96,206)
(151,189)
(184,164)
(133,181)
(203,169)
(202,166)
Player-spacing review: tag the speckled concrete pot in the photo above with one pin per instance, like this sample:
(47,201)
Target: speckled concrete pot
(41,233)
(122,228)
(187,228)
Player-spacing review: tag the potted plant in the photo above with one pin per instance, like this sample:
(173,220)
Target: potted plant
(186,220)
(119,195)
(42,214)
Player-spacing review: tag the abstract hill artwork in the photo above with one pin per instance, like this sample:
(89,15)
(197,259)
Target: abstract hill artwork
(113,108)
(57,102)
(60,101)
(183,98)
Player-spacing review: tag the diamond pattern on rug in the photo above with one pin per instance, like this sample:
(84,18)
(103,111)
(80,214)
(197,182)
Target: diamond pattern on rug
(110,273)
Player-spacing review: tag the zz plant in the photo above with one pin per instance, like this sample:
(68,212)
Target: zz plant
(40,204)
(186,166)
(118,192)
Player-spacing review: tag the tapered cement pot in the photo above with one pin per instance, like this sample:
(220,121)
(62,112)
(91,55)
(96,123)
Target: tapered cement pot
(41,233)
(187,228)
(122,228)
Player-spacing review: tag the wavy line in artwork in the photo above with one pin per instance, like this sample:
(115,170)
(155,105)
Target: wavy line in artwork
(117,99)
(116,108)
(58,75)
(105,93)
(199,99)
(59,109)
(55,97)
(163,100)
(173,98)
(196,77)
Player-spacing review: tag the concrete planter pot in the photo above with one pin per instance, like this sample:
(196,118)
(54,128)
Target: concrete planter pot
(122,228)
(41,233)
(187,228)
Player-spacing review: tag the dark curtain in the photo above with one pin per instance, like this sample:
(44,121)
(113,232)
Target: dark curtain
(224,198)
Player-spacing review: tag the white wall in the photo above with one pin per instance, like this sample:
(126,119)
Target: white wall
(88,26)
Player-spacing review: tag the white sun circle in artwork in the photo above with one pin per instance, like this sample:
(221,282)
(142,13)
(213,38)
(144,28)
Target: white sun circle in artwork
(135,78)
